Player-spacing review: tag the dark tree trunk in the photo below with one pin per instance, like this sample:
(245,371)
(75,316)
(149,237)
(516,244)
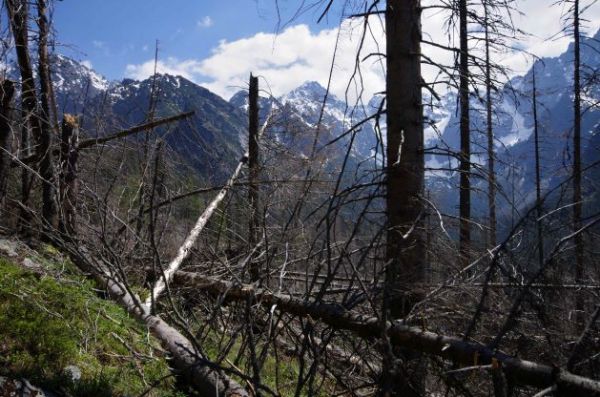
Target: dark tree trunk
(68,176)
(405,174)
(465,144)
(253,168)
(18,13)
(7,90)
(46,123)
(578,207)
(490,134)
(538,187)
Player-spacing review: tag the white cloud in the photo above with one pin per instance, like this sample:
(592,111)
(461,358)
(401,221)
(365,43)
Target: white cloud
(87,63)
(205,22)
(285,61)
(297,55)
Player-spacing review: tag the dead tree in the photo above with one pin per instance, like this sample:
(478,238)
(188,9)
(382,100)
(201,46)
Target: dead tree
(489,130)
(253,171)
(18,13)
(465,136)
(45,120)
(190,363)
(456,349)
(33,116)
(538,188)
(7,90)
(405,176)
(68,188)
(184,250)
(578,205)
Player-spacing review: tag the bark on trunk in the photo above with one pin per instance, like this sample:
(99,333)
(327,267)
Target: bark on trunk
(490,134)
(68,186)
(18,14)
(7,90)
(578,205)
(405,172)
(253,198)
(45,120)
(465,143)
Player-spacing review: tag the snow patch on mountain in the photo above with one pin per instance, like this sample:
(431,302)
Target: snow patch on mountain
(518,131)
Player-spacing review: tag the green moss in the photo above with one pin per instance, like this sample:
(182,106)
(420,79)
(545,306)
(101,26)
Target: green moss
(46,325)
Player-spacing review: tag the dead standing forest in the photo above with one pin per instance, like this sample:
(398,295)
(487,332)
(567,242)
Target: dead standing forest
(297,275)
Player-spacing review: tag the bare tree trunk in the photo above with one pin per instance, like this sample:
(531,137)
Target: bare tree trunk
(18,13)
(578,206)
(465,144)
(6,94)
(253,171)
(46,124)
(68,176)
(405,173)
(538,181)
(490,133)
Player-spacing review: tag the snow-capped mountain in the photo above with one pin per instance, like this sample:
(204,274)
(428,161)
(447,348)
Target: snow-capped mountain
(302,117)
(75,84)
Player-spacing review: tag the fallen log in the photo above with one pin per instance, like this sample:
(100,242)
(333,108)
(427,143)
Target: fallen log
(455,349)
(189,362)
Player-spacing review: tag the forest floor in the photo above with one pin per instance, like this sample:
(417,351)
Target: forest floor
(58,333)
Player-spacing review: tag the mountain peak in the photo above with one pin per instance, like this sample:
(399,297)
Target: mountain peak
(312,86)
(309,89)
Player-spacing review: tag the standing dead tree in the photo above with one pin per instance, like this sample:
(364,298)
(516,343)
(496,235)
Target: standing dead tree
(18,16)
(253,167)
(68,188)
(46,117)
(489,129)
(404,180)
(577,197)
(538,182)
(7,91)
(465,136)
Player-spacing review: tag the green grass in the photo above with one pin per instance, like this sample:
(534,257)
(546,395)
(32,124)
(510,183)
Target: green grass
(279,373)
(46,325)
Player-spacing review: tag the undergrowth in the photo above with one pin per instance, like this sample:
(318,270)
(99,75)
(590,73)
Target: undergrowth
(48,324)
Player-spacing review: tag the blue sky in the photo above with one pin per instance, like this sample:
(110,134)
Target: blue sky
(217,43)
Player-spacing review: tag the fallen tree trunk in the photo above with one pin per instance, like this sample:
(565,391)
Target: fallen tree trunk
(90,142)
(190,240)
(86,143)
(414,338)
(203,376)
